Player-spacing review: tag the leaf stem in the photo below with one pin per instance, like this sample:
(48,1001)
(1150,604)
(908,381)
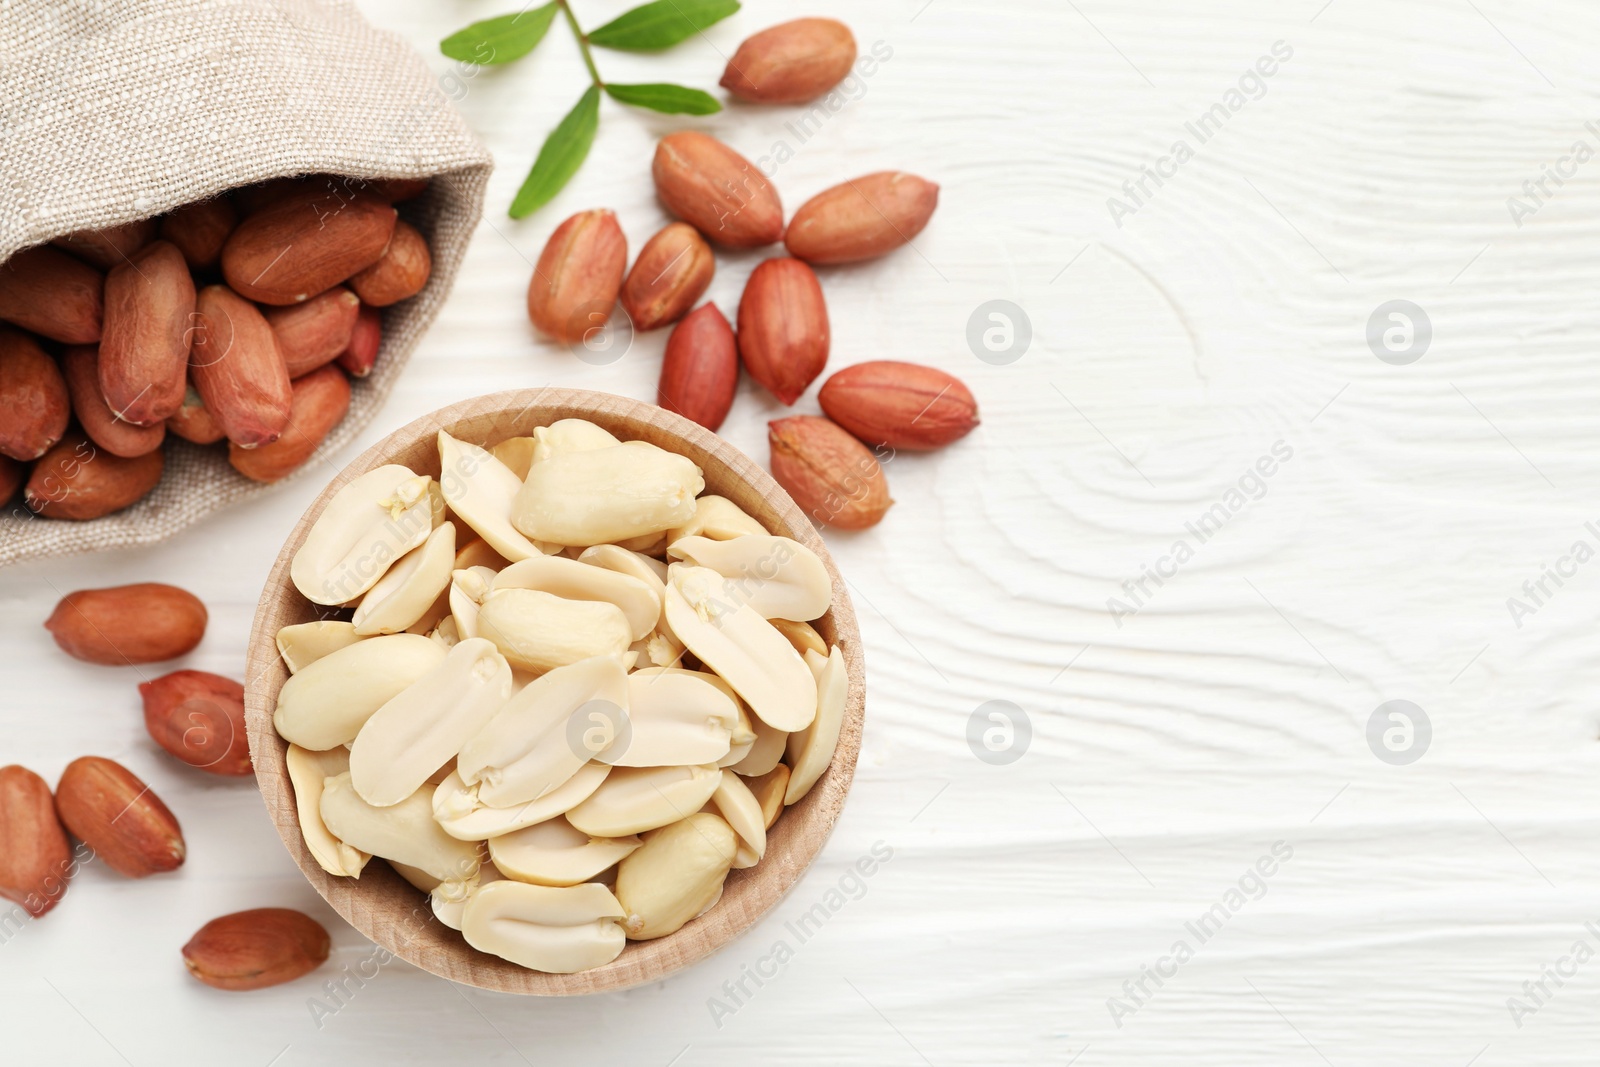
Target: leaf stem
(583,43)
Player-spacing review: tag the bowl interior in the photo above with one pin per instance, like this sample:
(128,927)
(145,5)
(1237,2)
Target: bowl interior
(397,916)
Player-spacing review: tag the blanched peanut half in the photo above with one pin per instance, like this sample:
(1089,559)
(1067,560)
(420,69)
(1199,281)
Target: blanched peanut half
(802,635)
(545,928)
(429,620)
(403,832)
(635,799)
(742,811)
(676,719)
(662,648)
(606,495)
(543,735)
(449,899)
(634,564)
(718,518)
(539,631)
(307,772)
(467,591)
(446,634)
(325,704)
(768,790)
(553,853)
(419,879)
(675,876)
(777,576)
(650,544)
(461,814)
(811,750)
(569,435)
(744,735)
(480,490)
(765,753)
(479,553)
(732,639)
(516,453)
(425,725)
(572,580)
(368,524)
(402,595)
(303,643)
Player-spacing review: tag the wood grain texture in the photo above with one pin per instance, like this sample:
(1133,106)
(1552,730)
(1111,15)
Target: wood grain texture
(380,903)
(1167,754)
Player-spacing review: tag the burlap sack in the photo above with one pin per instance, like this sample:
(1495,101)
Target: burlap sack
(120,109)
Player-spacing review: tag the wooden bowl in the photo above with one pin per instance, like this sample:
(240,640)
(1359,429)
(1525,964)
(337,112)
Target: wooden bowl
(398,917)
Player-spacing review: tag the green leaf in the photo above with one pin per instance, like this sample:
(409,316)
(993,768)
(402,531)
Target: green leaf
(563,153)
(500,40)
(662,24)
(661,96)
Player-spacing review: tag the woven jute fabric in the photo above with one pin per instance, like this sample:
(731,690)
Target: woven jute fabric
(116,110)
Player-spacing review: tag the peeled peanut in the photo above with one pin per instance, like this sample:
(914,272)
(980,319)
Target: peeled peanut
(325,703)
(403,832)
(553,853)
(635,799)
(516,453)
(542,736)
(675,876)
(482,492)
(538,631)
(574,580)
(461,814)
(811,750)
(568,435)
(370,523)
(739,807)
(675,718)
(764,753)
(606,495)
(449,899)
(303,643)
(732,639)
(409,587)
(718,518)
(423,726)
(802,635)
(557,930)
(307,773)
(768,789)
(777,576)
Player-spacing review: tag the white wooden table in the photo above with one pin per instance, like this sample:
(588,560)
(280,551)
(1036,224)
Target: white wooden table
(1176,739)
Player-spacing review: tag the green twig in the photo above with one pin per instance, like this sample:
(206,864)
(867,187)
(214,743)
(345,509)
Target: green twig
(583,43)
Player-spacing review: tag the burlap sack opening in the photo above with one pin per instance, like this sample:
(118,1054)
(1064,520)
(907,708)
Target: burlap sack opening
(123,109)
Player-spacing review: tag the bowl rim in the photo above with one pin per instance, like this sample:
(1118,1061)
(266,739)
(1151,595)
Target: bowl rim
(797,838)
